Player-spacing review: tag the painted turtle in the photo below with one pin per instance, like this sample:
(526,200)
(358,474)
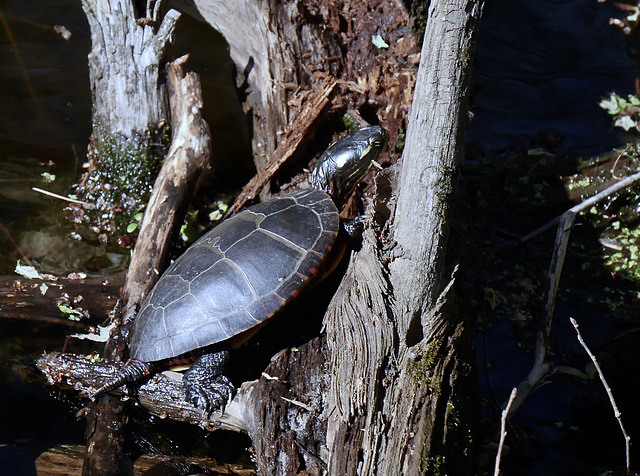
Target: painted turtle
(236,276)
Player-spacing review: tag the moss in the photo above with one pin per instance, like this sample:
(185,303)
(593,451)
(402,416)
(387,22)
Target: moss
(349,123)
(120,177)
(617,217)
(400,140)
(421,367)
(420,13)
(435,465)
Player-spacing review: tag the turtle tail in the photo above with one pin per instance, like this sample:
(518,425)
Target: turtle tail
(132,371)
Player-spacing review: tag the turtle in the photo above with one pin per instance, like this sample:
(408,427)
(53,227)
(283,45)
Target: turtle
(235,277)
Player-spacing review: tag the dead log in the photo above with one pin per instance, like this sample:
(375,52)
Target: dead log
(188,158)
(315,106)
(27,299)
(294,46)
(66,460)
(395,343)
(130,116)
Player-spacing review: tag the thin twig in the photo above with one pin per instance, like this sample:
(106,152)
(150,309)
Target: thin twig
(60,197)
(584,205)
(4,228)
(615,164)
(503,430)
(627,438)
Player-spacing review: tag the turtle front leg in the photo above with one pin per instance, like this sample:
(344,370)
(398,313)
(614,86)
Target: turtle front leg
(205,386)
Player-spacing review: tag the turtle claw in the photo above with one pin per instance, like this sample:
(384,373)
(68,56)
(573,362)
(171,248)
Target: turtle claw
(210,396)
(204,385)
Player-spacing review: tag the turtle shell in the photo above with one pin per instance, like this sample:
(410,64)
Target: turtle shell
(236,276)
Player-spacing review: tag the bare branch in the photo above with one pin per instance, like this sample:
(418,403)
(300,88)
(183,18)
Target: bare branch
(616,412)
(503,430)
(565,222)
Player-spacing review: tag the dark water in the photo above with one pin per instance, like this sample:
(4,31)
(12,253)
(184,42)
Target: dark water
(44,116)
(541,67)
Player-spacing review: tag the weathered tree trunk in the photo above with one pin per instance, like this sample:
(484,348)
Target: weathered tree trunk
(129,116)
(187,159)
(282,49)
(125,67)
(130,138)
(130,111)
(406,412)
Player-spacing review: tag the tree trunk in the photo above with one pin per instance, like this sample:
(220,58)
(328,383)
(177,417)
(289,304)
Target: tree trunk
(282,49)
(125,68)
(130,116)
(130,138)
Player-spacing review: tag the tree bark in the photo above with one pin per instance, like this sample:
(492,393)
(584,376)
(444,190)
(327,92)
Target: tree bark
(125,68)
(405,414)
(130,116)
(294,45)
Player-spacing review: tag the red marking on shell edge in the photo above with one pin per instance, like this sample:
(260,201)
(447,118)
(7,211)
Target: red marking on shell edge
(182,361)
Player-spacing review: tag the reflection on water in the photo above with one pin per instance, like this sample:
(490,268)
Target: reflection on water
(541,67)
(45,113)
(44,123)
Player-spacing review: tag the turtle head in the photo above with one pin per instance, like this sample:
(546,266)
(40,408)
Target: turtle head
(346,162)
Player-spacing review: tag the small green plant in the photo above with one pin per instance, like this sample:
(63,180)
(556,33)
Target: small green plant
(625,111)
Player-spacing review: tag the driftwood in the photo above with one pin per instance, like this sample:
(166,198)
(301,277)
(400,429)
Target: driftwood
(187,159)
(280,393)
(22,299)
(541,366)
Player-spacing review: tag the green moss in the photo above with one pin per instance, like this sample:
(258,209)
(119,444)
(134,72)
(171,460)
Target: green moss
(421,367)
(617,217)
(435,464)
(399,147)
(349,123)
(420,13)
(120,177)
